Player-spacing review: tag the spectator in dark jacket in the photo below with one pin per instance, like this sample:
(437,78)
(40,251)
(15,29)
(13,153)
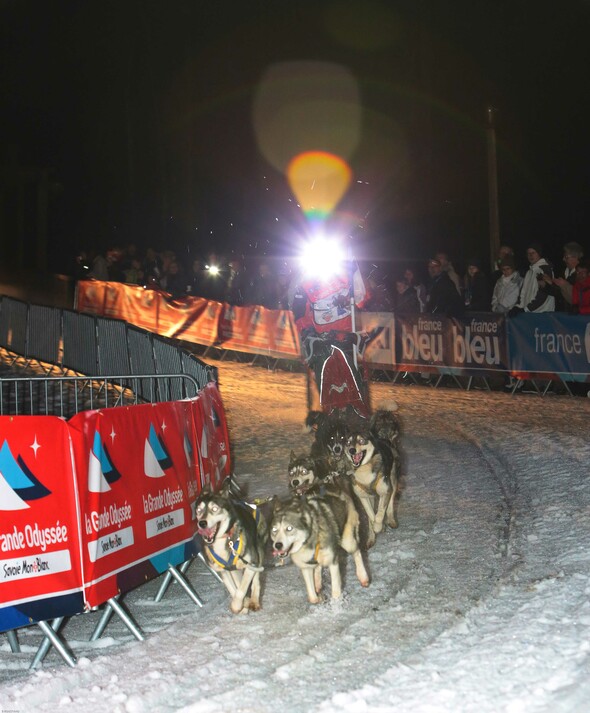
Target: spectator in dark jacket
(406,297)
(235,292)
(264,288)
(478,295)
(174,280)
(443,297)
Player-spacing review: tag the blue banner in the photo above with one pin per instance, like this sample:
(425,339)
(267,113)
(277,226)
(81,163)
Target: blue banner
(550,343)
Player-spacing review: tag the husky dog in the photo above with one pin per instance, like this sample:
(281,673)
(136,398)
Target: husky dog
(330,441)
(309,529)
(305,473)
(234,534)
(376,464)
(386,426)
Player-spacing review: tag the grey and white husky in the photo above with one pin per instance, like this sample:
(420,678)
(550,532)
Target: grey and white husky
(234,534)
(308,474)
(311,529)
(372,448)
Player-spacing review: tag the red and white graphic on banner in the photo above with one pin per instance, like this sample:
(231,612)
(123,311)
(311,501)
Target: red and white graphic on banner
(212,438)
(137,479)
(39,527)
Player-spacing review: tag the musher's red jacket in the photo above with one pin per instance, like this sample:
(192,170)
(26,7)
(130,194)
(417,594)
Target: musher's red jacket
(327,305)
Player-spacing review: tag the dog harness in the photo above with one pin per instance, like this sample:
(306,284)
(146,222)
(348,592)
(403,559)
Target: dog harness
(314,560)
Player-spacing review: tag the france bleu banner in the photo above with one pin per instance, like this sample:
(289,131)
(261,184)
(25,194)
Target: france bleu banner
(475,342)
(552,342)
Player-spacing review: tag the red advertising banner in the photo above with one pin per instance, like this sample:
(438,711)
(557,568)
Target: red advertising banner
(133,475)
(255,330)
(99,504)
(139,471)
(198,323)
(137,306)
(233,327)
(40,568)
(259,330)
(90,296)
(212,438)
(283,335)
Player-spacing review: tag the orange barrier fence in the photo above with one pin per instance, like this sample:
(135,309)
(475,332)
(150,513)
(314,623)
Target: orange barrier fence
(252,329)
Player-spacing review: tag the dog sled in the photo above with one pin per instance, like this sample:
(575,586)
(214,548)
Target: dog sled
(338,383)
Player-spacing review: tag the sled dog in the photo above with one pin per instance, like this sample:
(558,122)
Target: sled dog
(234,534)
(310,529)
(330,441)
(386,426)
(376,464)
(305,473)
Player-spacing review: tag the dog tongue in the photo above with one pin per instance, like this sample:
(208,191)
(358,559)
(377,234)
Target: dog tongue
(357,458)
(208,532)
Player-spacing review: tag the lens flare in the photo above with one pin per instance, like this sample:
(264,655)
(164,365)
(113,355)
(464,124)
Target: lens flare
(322,256)
(319,180)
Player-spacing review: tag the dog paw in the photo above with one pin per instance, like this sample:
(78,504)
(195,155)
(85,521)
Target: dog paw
(238,606)
(254,606)
(378,526)
(392,523)
(364,582)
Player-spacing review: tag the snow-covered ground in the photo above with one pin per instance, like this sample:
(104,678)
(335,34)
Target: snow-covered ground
(479,601)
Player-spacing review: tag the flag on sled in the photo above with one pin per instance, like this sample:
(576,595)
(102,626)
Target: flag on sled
(327,301)
(339,387)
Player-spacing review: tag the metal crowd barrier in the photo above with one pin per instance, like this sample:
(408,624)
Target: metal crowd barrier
(114,364)
(95,346)
(66,396)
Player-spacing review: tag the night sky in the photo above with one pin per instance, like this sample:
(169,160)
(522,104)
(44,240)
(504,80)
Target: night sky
(144,114)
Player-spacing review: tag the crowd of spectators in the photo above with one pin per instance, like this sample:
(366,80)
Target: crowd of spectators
(215,277)
(506,290)
(271,283)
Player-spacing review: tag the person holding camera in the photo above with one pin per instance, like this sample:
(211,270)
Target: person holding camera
(534,296)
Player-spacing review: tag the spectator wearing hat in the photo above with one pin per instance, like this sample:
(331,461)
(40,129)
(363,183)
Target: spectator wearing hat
(507,286)
(561,287)
(503,251)
(477,292)
(443,297)
(534,296)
